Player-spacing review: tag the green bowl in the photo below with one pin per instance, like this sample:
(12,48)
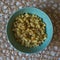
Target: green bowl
(49,30)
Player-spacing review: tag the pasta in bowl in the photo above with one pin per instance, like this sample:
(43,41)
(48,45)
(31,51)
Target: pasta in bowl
(29,31)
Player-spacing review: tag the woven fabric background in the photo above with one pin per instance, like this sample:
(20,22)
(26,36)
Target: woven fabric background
(51,7)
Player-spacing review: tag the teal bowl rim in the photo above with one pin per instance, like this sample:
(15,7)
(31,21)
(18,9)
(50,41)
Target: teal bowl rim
(51,27)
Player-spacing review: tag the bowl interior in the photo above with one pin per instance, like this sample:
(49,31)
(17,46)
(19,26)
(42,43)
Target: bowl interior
(49,30)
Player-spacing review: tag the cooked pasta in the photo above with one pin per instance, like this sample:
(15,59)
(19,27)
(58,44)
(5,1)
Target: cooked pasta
(29,30)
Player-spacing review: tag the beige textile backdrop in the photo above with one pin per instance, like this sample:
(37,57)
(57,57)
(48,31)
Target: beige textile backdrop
(51,7)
